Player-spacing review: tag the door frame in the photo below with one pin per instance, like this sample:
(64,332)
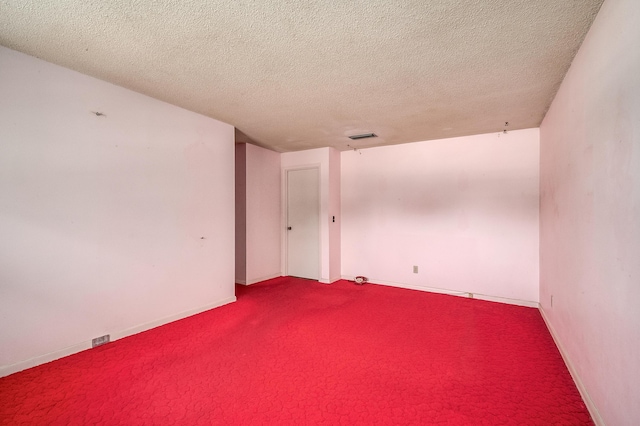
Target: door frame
(285,212)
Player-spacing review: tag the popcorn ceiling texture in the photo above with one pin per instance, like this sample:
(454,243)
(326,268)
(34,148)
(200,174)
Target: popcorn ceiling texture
(294,75)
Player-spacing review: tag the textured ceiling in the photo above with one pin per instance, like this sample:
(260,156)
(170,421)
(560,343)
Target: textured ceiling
(294,75)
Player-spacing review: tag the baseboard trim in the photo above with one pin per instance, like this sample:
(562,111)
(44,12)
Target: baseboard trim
(329,281)
(70,350)
(506,300)
(43,359)
(166,320)
(593,410)
(257,280)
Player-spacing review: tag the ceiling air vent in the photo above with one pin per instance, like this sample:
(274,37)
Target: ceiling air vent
(363,136)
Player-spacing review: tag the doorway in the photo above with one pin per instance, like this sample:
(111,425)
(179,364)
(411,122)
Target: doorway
(303,223)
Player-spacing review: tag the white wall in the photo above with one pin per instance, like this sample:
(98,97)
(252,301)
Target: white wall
(464,210)
(108,224)
(590,214)
(325,159)
(263,219)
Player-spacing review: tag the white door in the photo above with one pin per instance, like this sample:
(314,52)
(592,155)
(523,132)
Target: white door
(303,223)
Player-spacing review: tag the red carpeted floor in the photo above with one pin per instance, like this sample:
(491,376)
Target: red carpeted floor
(292,351)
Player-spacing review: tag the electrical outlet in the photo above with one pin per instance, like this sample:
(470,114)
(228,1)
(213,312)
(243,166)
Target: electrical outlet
(100,341)
(415,269)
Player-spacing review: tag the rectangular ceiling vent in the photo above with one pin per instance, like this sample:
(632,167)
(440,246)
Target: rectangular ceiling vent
(363,136)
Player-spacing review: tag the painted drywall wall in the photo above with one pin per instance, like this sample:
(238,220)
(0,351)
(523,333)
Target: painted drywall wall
(110,224)
(241,213)
(590,215)
(463,210)
(263,216)
(324,159)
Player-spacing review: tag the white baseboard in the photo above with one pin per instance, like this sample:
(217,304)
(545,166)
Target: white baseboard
(508,301)
(52,356)
(593,410)
(329,281)
(6,370)
(166,320)
(257,280)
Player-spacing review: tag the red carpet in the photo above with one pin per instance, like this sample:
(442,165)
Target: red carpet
(292,351)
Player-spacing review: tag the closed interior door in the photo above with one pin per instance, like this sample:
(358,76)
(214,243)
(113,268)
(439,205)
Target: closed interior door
(303,223)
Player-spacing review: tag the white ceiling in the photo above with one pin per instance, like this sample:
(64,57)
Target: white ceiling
(296,74)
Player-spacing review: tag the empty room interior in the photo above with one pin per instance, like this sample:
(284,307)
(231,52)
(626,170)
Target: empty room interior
(163,161)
